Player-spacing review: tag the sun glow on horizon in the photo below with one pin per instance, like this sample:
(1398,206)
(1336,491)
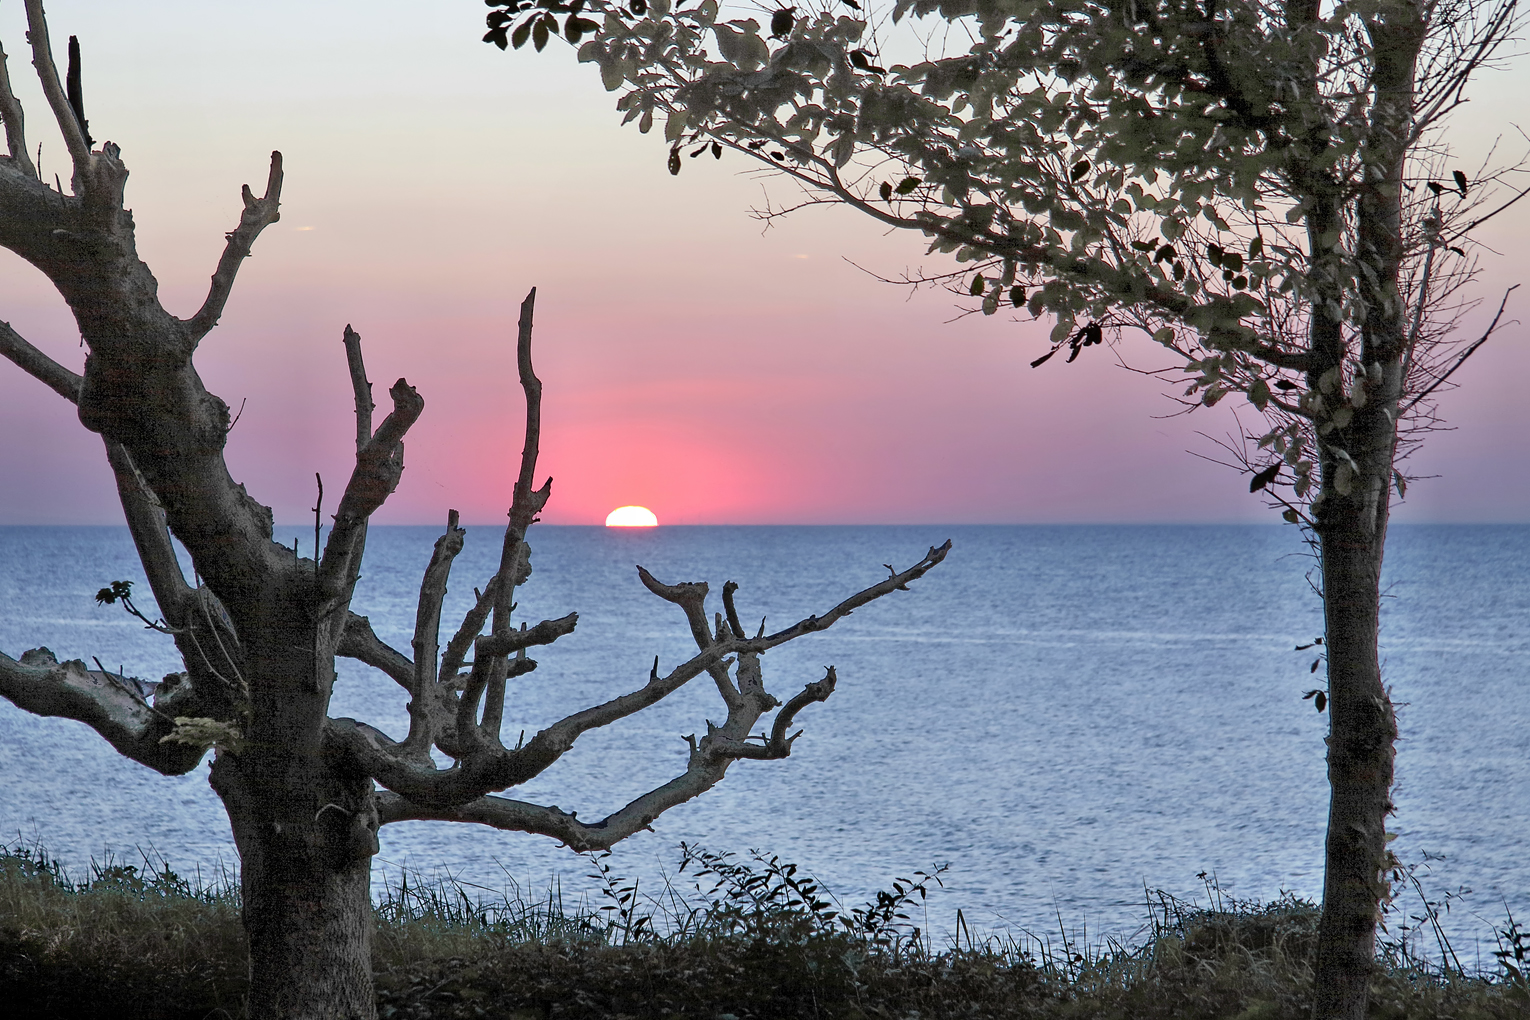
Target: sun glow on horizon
(631,517)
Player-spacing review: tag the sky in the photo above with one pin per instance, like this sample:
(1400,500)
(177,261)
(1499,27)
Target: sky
(693,361)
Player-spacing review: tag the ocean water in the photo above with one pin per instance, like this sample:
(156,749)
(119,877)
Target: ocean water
(1066,716)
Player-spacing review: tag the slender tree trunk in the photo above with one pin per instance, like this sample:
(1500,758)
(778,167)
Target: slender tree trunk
(1352,528)
(1360,753)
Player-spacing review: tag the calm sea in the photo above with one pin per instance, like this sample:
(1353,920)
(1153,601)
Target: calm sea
(1064,715)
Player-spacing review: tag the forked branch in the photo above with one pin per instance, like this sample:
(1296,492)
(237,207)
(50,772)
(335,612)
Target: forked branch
(482,769)
(259,213)
(379,465)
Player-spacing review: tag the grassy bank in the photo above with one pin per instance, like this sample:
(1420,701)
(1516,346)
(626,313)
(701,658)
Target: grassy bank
(137,941)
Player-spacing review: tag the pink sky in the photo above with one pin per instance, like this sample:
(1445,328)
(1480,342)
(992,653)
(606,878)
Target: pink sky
(692,364)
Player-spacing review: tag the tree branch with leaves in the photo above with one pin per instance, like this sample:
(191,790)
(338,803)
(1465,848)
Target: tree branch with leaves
(1261,189)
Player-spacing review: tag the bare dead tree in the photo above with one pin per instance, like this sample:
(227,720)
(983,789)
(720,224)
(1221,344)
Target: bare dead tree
(259,630)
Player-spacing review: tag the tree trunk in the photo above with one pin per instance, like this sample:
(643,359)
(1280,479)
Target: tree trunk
(1360,753)
(306,829)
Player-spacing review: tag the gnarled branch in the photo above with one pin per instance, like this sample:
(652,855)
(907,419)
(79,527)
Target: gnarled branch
(359,642)
(108,704)
(483,769)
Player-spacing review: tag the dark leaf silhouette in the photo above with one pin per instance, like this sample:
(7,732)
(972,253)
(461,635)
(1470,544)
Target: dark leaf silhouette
(1460,180)
(781,22)
(862,60)
(1265,477)
(118,590)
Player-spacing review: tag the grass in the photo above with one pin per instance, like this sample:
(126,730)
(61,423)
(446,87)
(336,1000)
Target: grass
(759,940)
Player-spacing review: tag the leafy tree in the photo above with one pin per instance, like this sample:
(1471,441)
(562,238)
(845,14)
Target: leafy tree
(1260,188)
(259,630)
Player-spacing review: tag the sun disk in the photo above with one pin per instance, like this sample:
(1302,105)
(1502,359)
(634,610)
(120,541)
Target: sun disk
(631,517)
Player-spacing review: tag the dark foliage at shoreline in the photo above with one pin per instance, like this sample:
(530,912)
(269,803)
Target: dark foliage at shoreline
(138,941)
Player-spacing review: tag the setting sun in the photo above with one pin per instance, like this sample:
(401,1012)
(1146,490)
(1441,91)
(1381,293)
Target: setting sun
(631,517)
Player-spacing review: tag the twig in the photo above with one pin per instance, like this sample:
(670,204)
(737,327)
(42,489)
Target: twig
(1461,360)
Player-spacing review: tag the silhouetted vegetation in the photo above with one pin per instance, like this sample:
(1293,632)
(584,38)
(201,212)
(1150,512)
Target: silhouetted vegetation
(755,939)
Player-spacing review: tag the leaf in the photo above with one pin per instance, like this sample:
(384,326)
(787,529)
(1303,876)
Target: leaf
(1458,251)
(1259,394)
(717,150)
(575,27)
(1255,247)
(519,36)
(781,21)
(886,191)
(1017,296)
(540,33)
(1397,478)
(978,283)
(674,161)
(612,74)
(674,127)
(1079,169)
(1045,357)
(1344,478)
(1320,702)
(862,60)
(907,185)
(1291,516)
(1265,477)
(851,4)
(496,36)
